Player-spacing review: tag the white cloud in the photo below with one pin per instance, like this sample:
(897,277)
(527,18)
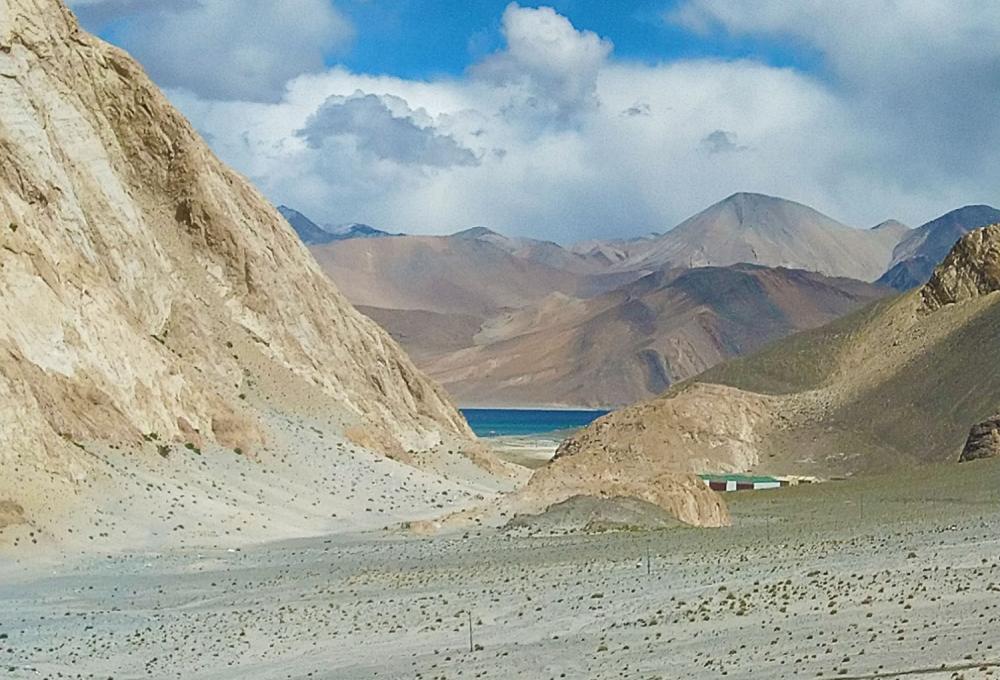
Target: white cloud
(384,128)
(553,137)
(225,49)
(919,77)
(549,68)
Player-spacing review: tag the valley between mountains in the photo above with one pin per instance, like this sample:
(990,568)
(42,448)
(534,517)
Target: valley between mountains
(231,444)
(177,368)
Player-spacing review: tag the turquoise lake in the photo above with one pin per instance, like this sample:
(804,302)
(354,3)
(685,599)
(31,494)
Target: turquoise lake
(491,422)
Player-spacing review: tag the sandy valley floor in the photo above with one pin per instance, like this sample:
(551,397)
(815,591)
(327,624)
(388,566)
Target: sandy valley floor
(881,578)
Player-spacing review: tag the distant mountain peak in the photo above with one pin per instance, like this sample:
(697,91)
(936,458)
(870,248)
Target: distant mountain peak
(744,196)
(971,208)
(772,231)
(359,230)
(753,209)
(477,232)
(891,224)
(313,234)
(309,232)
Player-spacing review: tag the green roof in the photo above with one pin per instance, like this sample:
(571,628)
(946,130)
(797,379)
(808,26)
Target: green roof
(738,478)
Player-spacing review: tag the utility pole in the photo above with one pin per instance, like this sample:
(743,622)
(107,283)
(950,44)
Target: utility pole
(471,647)
(649,563)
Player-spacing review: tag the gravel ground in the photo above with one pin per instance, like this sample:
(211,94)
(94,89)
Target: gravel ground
(887,577)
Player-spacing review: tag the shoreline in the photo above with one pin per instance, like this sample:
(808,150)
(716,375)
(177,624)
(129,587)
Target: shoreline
(530,450)
(542,407)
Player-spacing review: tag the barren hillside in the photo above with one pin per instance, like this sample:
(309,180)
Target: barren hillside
(899,383)
(634,342)
(151,299)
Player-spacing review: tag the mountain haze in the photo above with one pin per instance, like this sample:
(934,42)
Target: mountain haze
(475,272)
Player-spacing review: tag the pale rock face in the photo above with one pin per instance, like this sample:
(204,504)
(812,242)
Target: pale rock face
(135,270)
(971,270)
(652,451)
(684,496)
(697,429)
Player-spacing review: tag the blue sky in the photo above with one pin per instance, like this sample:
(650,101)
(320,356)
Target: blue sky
(576,119)
(393,35)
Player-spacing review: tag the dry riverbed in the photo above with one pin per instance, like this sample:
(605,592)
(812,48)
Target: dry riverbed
(882,578)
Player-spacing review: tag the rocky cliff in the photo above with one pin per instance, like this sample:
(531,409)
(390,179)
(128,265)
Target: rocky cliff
(972,269)
(139,276)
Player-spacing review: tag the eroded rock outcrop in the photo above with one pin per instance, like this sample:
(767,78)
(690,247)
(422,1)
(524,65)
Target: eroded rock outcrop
(972,269)
(984,440)
(696,429)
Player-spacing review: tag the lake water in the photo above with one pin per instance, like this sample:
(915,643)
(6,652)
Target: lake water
(493,422)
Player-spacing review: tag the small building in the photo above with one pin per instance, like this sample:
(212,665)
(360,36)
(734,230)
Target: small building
(743,482)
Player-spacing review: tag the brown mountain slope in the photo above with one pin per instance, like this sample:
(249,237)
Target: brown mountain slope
(636,341)
(427,334)
(475,272)
(146,289)
(773,232)
(899,383)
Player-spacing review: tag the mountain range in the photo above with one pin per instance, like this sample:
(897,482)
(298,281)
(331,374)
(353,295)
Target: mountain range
(503,321)
(636,340)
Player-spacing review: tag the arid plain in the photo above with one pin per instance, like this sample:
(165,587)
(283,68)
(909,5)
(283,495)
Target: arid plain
(885,577)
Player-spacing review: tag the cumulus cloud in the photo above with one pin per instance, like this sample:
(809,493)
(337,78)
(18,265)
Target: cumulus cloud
(549,67)
(224,49)
(551,136)
(384,134)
